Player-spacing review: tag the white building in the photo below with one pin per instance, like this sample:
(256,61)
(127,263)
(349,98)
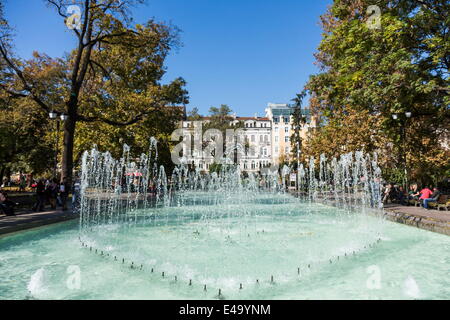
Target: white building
(252,140)
(265,140)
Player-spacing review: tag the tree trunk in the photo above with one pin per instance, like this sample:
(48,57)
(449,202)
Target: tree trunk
(67,156)
(2,173)
(8,175)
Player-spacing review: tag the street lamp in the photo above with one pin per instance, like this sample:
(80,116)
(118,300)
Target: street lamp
(53,115)
(403,120)
(64,117)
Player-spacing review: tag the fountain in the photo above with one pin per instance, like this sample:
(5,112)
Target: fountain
(223,215)
(145,233)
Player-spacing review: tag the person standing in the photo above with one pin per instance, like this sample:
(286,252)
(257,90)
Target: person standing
(53,193)
(64,193)
(40,196)
(22,183)
(76,194)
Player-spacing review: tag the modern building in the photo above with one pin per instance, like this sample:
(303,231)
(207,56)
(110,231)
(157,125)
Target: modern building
(281,118)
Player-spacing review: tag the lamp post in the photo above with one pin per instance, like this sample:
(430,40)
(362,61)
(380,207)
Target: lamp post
(403,118)
(57,116)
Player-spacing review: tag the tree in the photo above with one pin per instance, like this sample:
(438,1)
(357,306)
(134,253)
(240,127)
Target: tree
(26,141)
(112,76)
(298,121)
(368,74)
(194,115)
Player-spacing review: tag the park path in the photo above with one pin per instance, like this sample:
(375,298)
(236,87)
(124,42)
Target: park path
(24,220)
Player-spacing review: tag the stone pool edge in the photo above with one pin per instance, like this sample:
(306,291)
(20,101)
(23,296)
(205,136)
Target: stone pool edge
(422,221)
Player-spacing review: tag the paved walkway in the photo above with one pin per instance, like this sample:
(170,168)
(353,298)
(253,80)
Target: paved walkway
(24,220)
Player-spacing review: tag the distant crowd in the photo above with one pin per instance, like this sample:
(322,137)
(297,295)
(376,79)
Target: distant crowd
(49,192)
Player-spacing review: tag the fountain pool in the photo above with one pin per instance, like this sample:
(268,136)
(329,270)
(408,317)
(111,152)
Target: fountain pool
(277,247)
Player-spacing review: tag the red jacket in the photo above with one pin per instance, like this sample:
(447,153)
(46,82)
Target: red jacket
(425,193)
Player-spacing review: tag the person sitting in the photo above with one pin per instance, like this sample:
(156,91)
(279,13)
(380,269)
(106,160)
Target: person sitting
(433,198)
(425,193)
(413,193)
(6,205)
(401,196)
(387,194)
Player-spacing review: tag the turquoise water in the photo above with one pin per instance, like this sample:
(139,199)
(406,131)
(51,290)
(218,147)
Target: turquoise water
(312,251)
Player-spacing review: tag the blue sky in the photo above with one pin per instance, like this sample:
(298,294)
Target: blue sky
(244,53)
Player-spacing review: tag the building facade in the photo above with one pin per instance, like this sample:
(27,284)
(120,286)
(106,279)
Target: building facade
(260,141)
(280,115)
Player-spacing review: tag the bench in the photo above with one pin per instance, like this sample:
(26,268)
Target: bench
(442,202)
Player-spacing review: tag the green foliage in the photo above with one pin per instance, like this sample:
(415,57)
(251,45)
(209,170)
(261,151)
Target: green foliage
(298,121)
(215,167)
(369,74)
(110,85)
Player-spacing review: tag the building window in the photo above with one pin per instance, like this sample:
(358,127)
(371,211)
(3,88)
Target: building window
(253,138)
(266,138)
(286,129)
(276,129)
(276,138)
(275,119)
(286,139)
(286,120)
(286,150)
(261,138)
(276,150)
